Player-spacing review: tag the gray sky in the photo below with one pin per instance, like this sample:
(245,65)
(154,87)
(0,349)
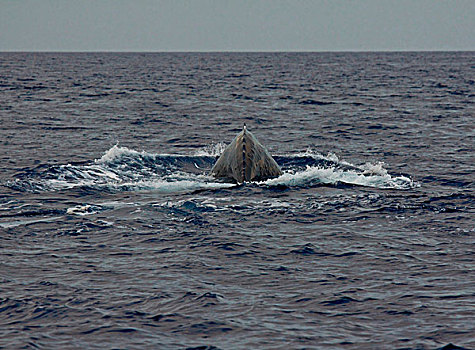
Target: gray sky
(236,25)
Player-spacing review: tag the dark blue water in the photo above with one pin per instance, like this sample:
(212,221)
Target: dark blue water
(113,234)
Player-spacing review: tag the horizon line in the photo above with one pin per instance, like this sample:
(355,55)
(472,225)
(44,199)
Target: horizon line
(236,51)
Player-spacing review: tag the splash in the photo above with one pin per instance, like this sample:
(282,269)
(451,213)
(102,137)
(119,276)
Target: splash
(125,169)
(311,168)
(212,150)
(377,178)
(117,152)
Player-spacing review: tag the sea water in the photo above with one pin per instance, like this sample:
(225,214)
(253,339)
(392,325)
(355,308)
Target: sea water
(114,234)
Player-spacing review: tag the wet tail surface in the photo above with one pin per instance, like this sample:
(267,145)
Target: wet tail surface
(246,159)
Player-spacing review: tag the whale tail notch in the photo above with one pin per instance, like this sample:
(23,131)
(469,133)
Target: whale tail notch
(246,159)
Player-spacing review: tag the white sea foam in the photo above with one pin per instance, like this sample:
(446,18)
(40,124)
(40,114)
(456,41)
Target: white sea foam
(315,175)
(376,169)
(368,174)
(81,210)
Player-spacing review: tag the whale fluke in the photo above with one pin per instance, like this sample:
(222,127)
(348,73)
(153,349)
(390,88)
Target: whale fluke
(245,159)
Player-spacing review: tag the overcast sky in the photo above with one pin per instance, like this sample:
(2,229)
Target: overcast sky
(236,25)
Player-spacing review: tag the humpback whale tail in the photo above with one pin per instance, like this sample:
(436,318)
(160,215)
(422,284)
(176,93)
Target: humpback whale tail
(246,159)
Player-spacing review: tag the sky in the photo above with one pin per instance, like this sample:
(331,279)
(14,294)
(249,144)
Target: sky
(237,25)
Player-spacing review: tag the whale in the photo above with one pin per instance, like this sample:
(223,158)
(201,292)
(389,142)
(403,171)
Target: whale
(245,159)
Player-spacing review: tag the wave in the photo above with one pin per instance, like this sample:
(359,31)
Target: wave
(124,169)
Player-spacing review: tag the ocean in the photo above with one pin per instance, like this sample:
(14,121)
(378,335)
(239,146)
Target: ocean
(114,234)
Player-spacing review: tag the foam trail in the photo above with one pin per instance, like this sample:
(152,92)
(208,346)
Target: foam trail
(163,186)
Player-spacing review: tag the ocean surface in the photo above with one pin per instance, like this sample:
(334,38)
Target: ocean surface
(114,235)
